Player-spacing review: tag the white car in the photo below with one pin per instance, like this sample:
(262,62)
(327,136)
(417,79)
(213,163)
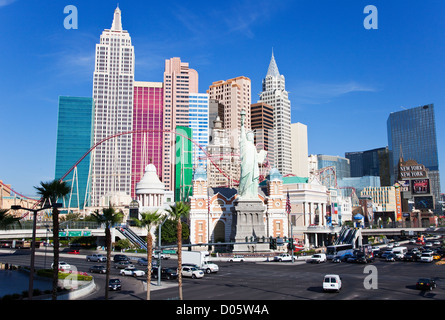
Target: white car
(332,282)
(427,257)
(283,257)
(237,258)
(192,272)
(132,272)
(63,266)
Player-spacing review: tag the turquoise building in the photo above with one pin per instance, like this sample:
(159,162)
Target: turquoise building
(74,139)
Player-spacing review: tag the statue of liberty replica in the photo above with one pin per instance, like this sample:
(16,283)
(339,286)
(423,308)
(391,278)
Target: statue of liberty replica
(248,223)
(250,159)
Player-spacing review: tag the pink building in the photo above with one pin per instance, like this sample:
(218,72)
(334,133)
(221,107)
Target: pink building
(147,115)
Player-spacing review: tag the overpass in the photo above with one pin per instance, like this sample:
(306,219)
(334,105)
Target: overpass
(44,231)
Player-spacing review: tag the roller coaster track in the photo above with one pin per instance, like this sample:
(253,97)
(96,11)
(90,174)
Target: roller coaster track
(20,195)
(146,131)
(209,157)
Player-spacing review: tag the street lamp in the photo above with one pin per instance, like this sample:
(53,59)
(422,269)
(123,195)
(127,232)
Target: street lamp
(33,243)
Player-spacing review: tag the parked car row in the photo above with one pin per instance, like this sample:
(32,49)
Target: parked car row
(423,254)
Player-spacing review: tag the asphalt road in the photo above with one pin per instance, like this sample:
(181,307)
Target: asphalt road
(261,281)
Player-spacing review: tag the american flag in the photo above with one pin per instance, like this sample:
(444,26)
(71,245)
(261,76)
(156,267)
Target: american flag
(288,207)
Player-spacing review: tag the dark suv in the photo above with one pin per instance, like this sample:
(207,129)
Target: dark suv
(166,273)
(120,257)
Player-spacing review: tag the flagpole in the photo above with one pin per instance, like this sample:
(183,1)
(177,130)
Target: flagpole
(288,209)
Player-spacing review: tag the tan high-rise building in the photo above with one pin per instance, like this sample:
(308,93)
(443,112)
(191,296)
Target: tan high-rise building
(222,157)
(300,166)
(234,95)
(179,82)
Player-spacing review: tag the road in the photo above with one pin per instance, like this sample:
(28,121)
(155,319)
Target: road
(271,281)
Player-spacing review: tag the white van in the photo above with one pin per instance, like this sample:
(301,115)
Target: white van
(400,252)
(318,258)
(332,282)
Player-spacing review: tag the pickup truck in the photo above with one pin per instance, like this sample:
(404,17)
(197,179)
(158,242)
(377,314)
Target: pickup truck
(283,257)
(96,258)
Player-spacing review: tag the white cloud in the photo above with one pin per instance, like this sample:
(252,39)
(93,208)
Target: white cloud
(227,18)
(318,93)
(4,3)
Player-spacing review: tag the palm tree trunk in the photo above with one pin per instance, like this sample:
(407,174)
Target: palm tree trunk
(179,235)
(55,252)
(149,259)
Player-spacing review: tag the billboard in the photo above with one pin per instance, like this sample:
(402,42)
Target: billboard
(412,171)
(425,202)
(420,186)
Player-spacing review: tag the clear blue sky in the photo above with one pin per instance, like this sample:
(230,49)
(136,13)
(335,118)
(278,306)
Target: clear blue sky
(343,80)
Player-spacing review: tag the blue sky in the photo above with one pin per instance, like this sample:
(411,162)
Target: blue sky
(343,80)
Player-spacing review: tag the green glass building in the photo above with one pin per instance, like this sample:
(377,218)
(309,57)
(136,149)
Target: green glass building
(74,139)
(183,164)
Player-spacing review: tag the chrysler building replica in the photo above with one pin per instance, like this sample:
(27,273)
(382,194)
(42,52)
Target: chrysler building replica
(274,94)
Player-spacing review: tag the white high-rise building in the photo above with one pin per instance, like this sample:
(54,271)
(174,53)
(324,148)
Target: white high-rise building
(113,97)
(274,94)
(199,122)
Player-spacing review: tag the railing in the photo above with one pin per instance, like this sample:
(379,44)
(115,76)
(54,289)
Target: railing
(24,225)
(133,237)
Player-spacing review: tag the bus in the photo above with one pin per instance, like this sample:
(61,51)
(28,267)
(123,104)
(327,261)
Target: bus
(332,251)
(17,244)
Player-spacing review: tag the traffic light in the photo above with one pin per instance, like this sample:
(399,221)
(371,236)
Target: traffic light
(273,243)
(291,245)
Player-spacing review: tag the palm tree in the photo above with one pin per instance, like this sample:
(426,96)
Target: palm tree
(51,191)
(148,220)
(178,211)
(109,217)
(6,220)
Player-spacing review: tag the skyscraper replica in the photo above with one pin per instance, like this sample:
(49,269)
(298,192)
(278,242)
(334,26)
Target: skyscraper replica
(262,123)
(274,94)
(199,123)
(412,136)
(299,150)
(179,82)
(221,154)
(148,119)
(74,136)
(232,96)
(113,97)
